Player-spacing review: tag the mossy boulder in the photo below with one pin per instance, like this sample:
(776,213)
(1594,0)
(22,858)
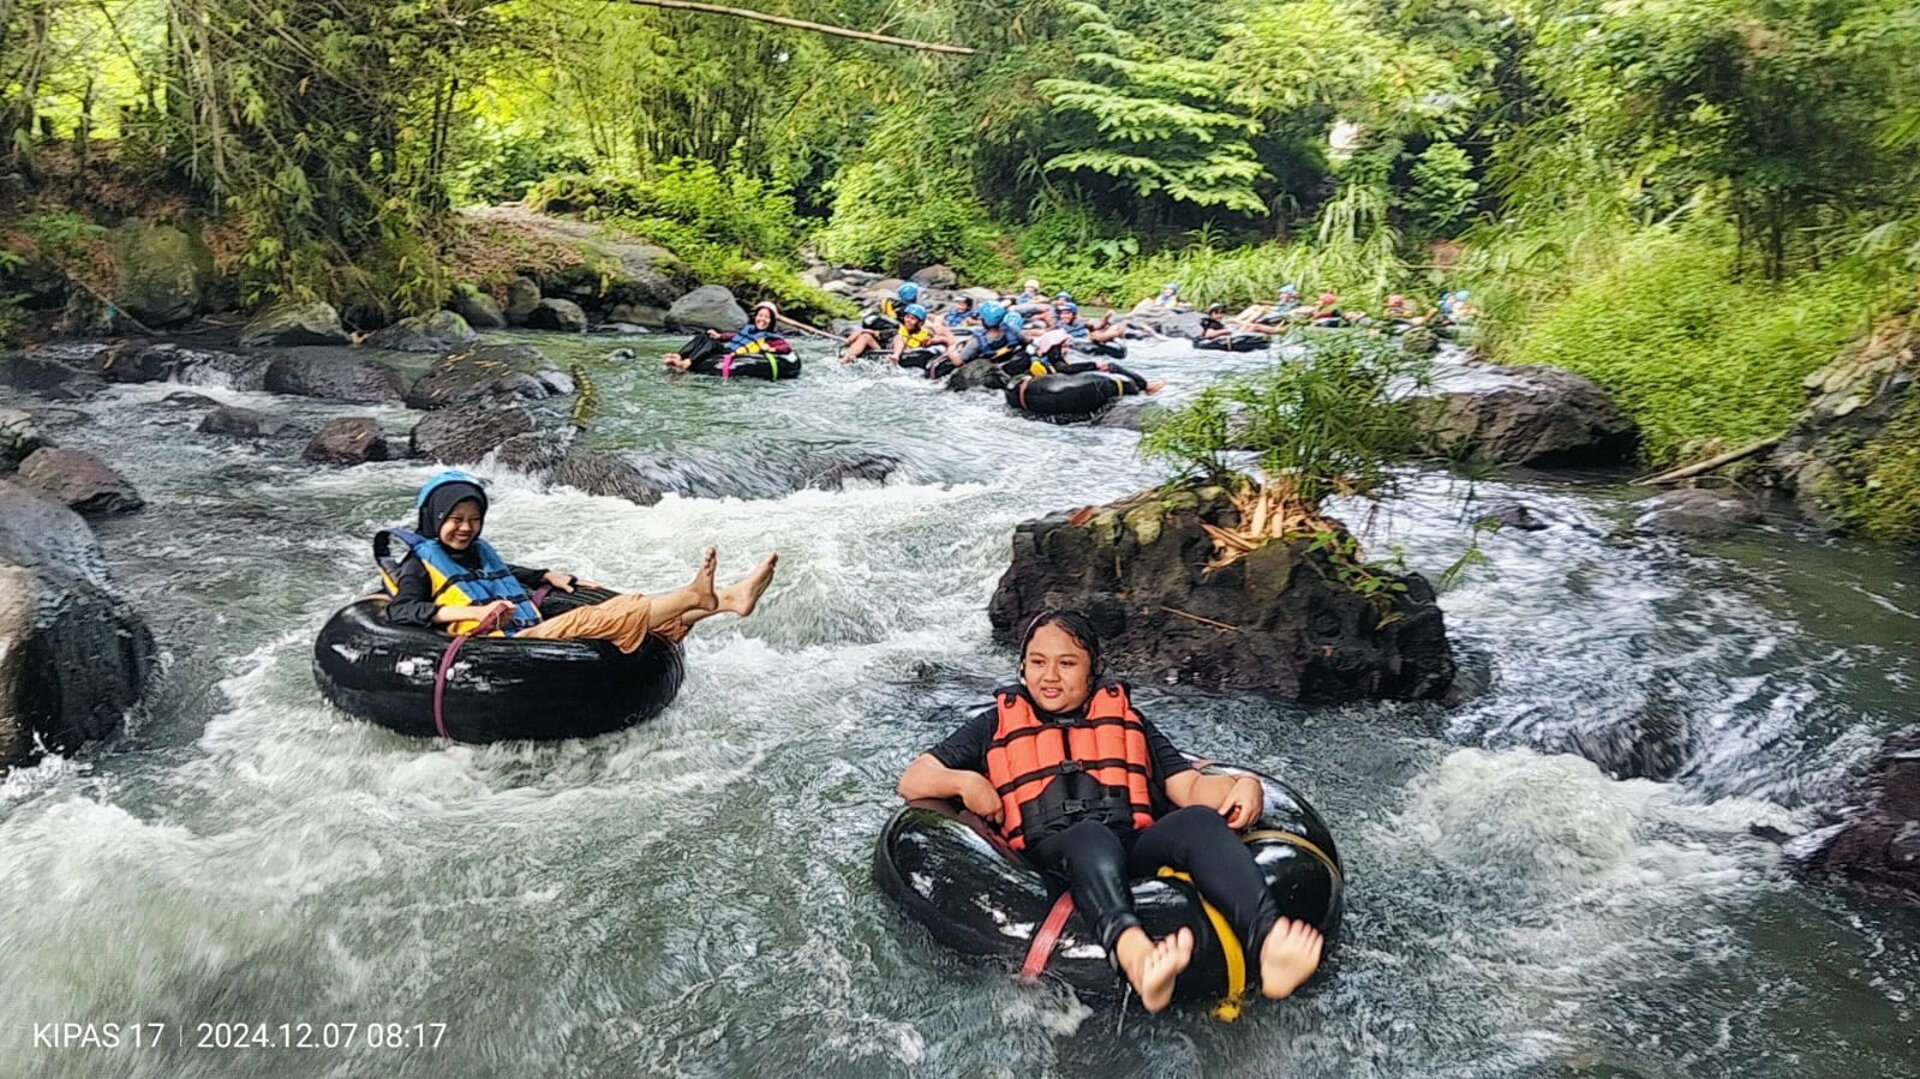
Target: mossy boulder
(163,271)
(1283,620)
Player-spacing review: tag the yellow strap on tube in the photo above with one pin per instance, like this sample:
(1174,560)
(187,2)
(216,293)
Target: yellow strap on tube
(1231,950)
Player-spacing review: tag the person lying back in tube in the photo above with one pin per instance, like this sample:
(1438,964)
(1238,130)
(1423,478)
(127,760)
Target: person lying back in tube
(878,326)
(1050,358)
(1094,795)
(760,336)
(919,334)
(453,579)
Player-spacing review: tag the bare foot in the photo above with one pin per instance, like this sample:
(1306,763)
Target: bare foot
(702,585)
(1156,385)
(1288,957)
(1153,965)
(673,361)
(743,595)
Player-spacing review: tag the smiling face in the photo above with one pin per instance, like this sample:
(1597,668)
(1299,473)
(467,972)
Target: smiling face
(763,318)
(1057,670)
(462,526)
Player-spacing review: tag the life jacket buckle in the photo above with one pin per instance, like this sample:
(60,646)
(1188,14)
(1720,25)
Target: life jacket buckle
(1069,767)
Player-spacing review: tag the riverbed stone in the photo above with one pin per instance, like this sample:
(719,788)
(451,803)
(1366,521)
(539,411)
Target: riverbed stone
(709,307)
(437,332)
(562,315)
(645,316)
(74,657)
(463,436)
(236,422)
(1696,512)
(346,440)
(937,275)
(315,323)
(77,480)
(335,375)
(1827,458)
(523,295)
(1277,621)
(161,271)
(478,307)
(1874,847)
(1540,417)
(20,436)
(479,372)
(981,374)
(608,474)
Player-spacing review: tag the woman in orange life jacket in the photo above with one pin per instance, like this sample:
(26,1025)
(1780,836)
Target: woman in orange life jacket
(1095,826)
(453,510)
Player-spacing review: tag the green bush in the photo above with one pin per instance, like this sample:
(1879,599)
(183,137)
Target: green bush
(500,165)
(901,215)
(1886,503)
(1702,361)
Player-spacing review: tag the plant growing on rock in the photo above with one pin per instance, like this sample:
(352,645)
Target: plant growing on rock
(1330,422)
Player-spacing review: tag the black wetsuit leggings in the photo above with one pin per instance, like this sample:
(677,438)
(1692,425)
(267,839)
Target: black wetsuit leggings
(1097,865)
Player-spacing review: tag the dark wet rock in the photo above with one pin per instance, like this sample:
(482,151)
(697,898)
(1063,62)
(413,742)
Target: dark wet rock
(74,657)
(1827,459)
(1515,516)
(437,332)
(977,375)
(479,373)
(881,289)
(1874,848)
(872,467)
(346,440)
(1652,744)
(187,399)
(315,323)
(77,480)
(142,361)
(20,436)
(645,316)
(619,355)
(50,374)
(843,327)
(335,375)
(1165,323)
(1541,417)
(462,436)
(607,474)
(621,271)
(522,297)
(1276,621)
(562,315)
(163,272)
(1695,511)
(536,451)
(237,422)
(709,307)
(480,309)
(935,276)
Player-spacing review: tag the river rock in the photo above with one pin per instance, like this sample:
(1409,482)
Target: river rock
(1277,621)
(162,272)
(51,375)
(709,307)
(479,373)
(981,374)
(315,323)
(1540,417)
(346,440)
(478,307)
(1875,847)
(73,655)
(872,467)
(935,276)
(78,480)
(607,474)
(1512,515)
(143,361)
(645,316)
(236,422)
(437,332)
(523,295)
(1828,456)
(1695,511)
(335,375)
(462,436)
(563,315)
(19,438)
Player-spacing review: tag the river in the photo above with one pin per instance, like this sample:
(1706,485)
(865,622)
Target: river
(693,896)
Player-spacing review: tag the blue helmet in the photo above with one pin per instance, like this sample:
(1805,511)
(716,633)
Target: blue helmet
(1063,297)
(1013,324)
(1289,290)
(441,479)
(1171,286)
(1461,295)
(1068,307)
(992,313)
(909,292)
(916,311)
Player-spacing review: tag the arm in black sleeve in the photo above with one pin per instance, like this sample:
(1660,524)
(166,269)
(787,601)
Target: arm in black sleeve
(1168,761)
(1135,383)
(966,748)
(1079,368)
(412,604)
(529,579)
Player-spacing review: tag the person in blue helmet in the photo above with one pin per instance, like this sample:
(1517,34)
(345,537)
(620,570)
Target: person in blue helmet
(451,579)
(1454,308)
(878,326)
(1067,317)
(1167,300)
(1000,337)
(962,314)
(920,341)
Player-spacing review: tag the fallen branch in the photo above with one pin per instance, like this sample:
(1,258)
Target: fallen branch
(802,24)
(1221,626)
(1711,463)
(812,329)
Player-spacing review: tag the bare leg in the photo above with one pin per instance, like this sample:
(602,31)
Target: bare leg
(1153,965)
(1288,957)
(861,341)
(1156,385)
(743,595)
(696,597)
(673,361)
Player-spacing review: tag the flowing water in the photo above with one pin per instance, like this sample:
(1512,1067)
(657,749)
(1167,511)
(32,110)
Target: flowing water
(694,897)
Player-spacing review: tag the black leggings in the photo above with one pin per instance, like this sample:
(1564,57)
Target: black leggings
(1097,865)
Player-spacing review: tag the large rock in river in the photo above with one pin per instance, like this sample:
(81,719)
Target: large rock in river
(73,656)
(163,272)
(709,307)
(1278,620)
(478,307)
(1875,850)
(1541,417)
(335,375)
(437,332)
(78,480)
(315,323)
(462,436)
(563,315)
(346,440)
(19,437)
(478,373)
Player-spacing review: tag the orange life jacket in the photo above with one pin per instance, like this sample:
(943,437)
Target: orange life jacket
(1052,776)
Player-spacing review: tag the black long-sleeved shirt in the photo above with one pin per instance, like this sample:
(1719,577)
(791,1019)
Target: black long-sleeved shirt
(413,604)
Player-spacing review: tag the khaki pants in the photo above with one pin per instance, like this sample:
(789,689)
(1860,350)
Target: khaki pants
(622,620)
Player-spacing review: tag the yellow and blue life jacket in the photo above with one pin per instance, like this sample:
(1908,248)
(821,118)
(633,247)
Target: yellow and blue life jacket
(919,338)
(455,585)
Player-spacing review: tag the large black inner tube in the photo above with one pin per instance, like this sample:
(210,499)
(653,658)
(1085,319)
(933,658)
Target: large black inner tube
(951,873)
(709,357)
(921,357)
(1112,350)
(1075,396)
(499,688)
(1239,342)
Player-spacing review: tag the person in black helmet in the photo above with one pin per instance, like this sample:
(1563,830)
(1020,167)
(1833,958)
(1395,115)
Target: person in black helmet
(1138,804)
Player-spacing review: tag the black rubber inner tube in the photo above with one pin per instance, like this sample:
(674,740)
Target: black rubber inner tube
(1239,342)
(1113,350)
(1060,397)
(499,688)
(951,873)
(921,357)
